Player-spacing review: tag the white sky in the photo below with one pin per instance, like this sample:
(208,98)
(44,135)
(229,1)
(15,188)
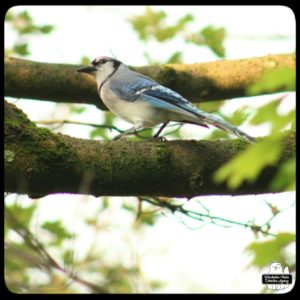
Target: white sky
(210,259)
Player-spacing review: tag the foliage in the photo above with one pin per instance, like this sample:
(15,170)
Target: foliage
(152,25)
(236,171)
(272,250)
(23,25)
(212,37)
(49,255)
(267,151)
(273,79)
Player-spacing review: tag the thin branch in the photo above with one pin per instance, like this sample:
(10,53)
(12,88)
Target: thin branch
(62,122)
(49,261)
(202,217)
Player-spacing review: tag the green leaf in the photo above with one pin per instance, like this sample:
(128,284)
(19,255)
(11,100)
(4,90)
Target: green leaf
(109,119)
(20,256)
(129,207)
(187,18)
(266,113)
(85,60)
(285,179)
(175,58)
(217,134)
(46,29)
(21,49)
(274,80)
(24,214)
(214,38)
(145,24)
(77,109)
(105,202)
(24,26)
(9,16)
(99,132)
(68,257)
(239,117)
(148,218)
(58,231)
(168,32)
(269,113)
(270,251)
(248,164)
(152,25)
(210,36)
(27,29)
(211,106)
(25,16)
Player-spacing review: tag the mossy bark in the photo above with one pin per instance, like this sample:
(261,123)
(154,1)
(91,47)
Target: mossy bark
(223,79)
(39,162)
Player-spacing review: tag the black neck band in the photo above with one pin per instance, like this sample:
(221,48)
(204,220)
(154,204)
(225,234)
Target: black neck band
(110,75)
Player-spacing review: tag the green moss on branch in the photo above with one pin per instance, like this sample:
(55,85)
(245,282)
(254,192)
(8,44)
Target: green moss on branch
(223,79)
(39,162)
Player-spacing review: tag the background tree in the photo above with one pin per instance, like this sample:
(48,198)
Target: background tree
(46,248)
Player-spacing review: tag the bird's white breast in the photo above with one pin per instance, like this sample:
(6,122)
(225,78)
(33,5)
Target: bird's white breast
(135,112)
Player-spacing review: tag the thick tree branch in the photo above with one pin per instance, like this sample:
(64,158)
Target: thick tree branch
(39,162)
(197,82)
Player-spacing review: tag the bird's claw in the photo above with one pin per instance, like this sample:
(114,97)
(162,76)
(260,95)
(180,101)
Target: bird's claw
(117,137)
(160,138)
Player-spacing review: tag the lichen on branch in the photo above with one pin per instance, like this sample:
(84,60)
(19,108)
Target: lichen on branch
(198,82)
(39,162)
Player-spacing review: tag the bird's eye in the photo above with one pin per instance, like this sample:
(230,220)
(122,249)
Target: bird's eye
(97,62)
(102,61)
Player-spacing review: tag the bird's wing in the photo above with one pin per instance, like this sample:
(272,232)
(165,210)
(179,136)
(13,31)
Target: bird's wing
(183,106)
(145,89)
(129,88)
(170,97)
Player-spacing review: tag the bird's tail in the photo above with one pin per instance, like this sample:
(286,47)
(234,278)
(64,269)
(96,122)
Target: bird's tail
(221,124)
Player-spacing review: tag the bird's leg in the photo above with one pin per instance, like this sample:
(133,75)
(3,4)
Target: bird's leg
(131,130)
(160,130)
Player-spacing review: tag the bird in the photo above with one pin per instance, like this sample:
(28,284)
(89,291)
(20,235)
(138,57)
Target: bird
(143,102)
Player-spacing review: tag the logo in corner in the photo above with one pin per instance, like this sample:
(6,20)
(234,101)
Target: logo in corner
(277,278)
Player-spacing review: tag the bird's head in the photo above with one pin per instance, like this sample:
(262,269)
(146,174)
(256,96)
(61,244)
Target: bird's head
(101,67)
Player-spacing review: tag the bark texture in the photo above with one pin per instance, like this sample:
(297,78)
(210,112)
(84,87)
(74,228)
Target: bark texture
(197,82)
(39,162)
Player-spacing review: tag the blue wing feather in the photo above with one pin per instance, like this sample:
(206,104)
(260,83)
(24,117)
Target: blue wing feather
(164,94)
(129,90)
(142,87)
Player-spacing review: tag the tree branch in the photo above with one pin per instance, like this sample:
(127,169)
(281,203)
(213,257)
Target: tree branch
(198,82)
(39,162)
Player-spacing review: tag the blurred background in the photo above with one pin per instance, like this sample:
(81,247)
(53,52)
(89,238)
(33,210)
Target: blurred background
(128,244)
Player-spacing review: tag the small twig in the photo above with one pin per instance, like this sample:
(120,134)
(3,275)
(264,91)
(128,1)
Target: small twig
(139,209)
(275,211)
(62,122)
(37,246)
(201,217)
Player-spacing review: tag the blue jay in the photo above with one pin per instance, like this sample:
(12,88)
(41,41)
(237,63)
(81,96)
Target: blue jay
(143,102)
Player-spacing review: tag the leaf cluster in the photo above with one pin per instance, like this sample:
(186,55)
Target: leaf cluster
(23,25)
(247,165)
(153,26)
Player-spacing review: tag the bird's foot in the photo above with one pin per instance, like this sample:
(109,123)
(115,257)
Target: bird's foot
(117,137)
(159,139)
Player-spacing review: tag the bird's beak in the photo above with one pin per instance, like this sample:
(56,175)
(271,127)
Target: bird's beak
(87,69)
